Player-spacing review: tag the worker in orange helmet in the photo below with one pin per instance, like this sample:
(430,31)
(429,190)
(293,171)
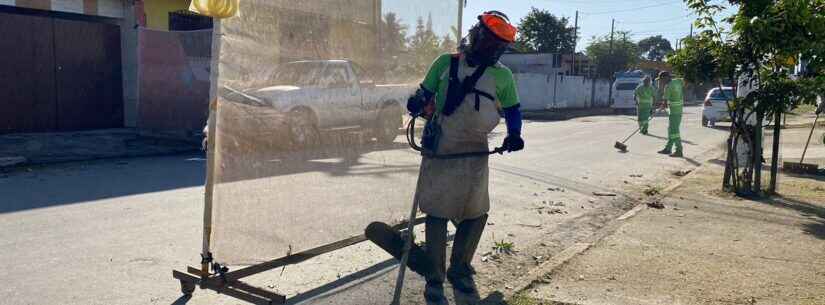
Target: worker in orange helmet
(469,90)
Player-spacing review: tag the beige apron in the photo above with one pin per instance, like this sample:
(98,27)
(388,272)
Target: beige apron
(457,189)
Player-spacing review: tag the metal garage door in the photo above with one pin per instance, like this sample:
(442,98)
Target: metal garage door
(58,74)
(27,83)
(88,74)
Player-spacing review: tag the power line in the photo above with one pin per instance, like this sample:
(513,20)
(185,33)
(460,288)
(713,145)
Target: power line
(633,9)
(668,20)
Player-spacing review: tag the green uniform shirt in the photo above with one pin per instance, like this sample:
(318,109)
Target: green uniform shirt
(438,79)
(644,94)
(674,92)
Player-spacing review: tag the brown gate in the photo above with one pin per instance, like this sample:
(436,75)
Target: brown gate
(88,73)
(58,74)
(27,93)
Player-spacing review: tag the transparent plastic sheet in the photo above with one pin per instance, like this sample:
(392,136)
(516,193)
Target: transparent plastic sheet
(174,79)
(309,142)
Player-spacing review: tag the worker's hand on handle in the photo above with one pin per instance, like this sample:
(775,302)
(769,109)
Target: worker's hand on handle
(419,100)
(513,143)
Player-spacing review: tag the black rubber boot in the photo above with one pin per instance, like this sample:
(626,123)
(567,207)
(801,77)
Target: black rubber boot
(461,272)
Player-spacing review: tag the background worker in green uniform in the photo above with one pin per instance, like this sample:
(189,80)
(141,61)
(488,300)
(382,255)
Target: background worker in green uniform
(673,98)
(644,104)
(469,88)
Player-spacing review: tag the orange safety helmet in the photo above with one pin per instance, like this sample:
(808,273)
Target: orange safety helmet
(498,23)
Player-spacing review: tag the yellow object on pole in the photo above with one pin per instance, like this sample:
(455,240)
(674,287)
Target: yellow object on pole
(218,9)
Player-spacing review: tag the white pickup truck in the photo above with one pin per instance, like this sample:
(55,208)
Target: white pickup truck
(327,95)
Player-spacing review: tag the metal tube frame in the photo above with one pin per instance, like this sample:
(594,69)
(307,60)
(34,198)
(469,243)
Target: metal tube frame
(229,282)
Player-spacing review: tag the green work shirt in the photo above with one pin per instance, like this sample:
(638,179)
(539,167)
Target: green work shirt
(644,94)
(674,92)
(438,79)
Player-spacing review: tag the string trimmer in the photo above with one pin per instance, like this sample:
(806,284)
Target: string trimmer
(402,246)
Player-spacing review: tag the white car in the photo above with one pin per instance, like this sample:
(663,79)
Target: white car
(624,90)
(715,108)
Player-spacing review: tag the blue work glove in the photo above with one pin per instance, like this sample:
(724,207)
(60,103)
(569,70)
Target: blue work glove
(513,143)
(417,102)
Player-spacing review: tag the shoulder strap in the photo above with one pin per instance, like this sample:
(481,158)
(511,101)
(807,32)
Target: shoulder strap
(469,83)
(454,61)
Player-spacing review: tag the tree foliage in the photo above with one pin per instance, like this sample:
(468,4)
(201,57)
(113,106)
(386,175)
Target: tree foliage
(766,41)
(541,31)
(655,48)
(393,35)
(622,55)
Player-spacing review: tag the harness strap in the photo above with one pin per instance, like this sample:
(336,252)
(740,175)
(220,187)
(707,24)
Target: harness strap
(458,89)
(484,94)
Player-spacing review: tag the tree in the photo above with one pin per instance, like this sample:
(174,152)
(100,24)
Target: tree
(449,44)
(622,55)
(393,35)
(766,40)
(655,48)
(393,41)
(541,31)
(424,46)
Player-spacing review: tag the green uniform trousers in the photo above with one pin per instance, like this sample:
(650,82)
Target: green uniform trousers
(674,122)
(643,116)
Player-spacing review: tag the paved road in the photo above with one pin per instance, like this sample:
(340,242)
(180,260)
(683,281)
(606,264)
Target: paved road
(110,232)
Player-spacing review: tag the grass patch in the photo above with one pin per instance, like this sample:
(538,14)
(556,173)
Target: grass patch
(521,299)
(503,247)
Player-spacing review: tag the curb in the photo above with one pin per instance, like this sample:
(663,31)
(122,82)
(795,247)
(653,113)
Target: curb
(536,275)
(561,115)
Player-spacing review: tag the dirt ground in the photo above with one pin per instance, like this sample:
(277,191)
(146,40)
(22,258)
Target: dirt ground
(705,247)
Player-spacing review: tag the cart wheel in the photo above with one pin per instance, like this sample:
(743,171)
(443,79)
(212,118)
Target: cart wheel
(187,288)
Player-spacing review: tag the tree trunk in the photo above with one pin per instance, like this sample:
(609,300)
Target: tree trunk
(726,180)
(757,154)
(775,153)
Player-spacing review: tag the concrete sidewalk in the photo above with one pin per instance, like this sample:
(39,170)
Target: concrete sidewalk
(705,247)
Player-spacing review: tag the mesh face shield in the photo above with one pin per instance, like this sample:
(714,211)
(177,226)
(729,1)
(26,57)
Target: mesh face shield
(485,46)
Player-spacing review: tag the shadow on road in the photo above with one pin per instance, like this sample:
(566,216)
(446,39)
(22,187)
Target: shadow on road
(182,300)
(79,182)
(816,228)
(688,142)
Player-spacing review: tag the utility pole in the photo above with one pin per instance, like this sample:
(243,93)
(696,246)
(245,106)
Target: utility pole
(691,31)
(575,40)
(461,4)
(610,92)
(612,28)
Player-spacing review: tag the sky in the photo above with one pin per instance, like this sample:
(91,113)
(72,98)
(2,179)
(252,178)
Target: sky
(643,18)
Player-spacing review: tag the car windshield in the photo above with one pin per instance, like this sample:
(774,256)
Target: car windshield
(721,94)
(300,74)
(626,86)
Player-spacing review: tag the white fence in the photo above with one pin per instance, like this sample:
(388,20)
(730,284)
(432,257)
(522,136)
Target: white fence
(543,91)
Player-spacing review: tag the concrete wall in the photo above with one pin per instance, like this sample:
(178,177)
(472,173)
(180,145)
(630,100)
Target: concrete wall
(542,91)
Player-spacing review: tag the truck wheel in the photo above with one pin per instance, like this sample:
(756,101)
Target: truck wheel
(302,129)
(386,129)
